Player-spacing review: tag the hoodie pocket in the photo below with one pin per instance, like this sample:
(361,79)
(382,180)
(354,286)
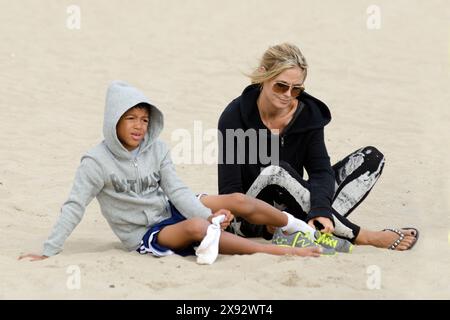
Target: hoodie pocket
(151,217)
(155,215)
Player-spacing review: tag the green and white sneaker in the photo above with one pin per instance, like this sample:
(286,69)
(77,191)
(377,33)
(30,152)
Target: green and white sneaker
(330,241)
(298,239)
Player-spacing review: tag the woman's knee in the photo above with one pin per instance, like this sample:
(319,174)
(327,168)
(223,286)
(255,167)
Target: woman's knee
(284,169)
(373,153)
(286,166)
(274,170)
(373,158)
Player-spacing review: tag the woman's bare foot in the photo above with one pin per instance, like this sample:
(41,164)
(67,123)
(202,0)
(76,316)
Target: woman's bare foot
(385,239)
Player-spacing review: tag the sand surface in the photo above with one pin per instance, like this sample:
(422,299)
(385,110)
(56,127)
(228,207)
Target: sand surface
(386,87)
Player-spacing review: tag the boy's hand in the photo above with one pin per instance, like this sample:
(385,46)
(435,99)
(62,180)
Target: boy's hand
(271,229)
(228,217)
(33,257)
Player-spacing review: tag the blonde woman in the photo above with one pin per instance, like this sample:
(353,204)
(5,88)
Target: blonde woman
(294,121)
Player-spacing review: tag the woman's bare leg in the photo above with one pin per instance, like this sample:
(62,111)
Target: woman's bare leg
(383,239)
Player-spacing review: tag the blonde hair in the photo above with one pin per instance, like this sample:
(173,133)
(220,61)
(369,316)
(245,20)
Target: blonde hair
(277,59)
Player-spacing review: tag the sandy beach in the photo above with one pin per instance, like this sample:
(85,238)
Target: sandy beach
(384,77)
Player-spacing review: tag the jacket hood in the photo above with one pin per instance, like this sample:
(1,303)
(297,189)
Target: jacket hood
(119,98)
(311,113)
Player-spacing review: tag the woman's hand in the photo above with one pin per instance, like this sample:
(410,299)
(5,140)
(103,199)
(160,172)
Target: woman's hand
(32,257)
(228,217)
(325,222)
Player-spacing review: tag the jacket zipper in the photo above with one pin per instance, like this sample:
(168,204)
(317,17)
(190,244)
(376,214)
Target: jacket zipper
(138,186)
(282,141)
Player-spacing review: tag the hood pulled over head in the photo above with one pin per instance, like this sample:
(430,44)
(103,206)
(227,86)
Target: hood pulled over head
(120,97)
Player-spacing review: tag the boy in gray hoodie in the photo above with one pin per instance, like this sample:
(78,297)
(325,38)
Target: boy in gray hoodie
(145,203)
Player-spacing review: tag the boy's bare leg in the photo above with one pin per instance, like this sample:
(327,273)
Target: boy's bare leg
(232,244)
(251,209)
(182,234)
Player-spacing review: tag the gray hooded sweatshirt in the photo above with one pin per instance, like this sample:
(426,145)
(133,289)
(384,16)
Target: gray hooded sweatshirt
(133,191)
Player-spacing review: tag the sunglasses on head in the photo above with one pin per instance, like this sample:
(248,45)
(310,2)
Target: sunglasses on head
(282,87)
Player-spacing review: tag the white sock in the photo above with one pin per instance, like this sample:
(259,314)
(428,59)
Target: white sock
(208,250)
(295,225)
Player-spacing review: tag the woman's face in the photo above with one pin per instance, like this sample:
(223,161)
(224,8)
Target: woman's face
(293,77)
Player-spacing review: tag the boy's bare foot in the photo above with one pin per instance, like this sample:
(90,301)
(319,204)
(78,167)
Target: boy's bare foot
(32,257)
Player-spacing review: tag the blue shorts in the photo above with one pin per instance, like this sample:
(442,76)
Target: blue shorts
(149,242)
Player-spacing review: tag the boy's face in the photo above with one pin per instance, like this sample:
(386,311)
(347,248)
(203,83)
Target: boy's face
(132,127)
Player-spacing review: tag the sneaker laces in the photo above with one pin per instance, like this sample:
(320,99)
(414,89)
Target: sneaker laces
(327,239)
(299,239)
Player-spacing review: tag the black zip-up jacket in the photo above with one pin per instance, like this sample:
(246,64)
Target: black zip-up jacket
(301,144)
